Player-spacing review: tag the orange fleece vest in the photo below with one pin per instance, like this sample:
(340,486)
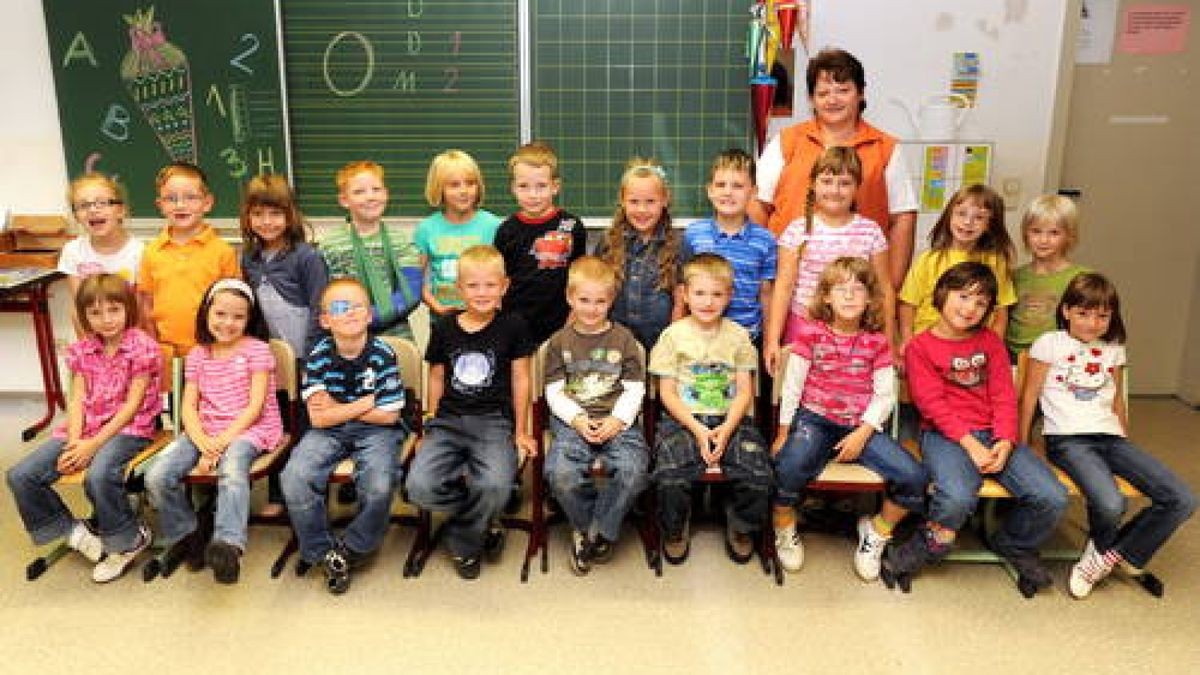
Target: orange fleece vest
(801,146)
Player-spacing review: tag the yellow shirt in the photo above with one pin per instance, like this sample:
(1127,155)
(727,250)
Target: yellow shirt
(176,277)
(922,277)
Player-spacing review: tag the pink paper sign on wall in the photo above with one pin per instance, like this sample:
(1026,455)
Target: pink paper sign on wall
(1154,29)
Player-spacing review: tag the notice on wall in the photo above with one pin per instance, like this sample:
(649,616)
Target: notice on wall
(1155,29)
(1097,30)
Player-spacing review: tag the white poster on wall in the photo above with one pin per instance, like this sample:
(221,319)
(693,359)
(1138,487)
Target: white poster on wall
(1097,30)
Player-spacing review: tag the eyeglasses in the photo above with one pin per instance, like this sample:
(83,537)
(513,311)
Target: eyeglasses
(97,204)
(849,290)
(176,200)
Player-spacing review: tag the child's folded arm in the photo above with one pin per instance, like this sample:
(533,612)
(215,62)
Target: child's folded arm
(628,405)
(564,407)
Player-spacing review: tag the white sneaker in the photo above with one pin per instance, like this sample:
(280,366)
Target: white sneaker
(86,542)
(115,564)
(869,554)
(789,548)
(1088,572)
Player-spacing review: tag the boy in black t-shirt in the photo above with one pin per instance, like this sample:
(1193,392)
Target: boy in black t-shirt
(479,391)
(538,242)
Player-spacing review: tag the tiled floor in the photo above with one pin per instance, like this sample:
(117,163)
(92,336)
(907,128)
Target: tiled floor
(708,616)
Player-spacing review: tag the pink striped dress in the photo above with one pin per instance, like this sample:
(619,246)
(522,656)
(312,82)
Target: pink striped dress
(224,385)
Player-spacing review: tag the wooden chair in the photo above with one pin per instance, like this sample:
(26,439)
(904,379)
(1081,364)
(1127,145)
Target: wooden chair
(287,390)
(133,470)
(408,359)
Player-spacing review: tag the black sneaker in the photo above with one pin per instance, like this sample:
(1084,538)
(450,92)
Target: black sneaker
(224,559)
(493,542)
(337,571)
(467,568)
(1032,575)
(347,493)
(580,559)
(601,550)
(908,557)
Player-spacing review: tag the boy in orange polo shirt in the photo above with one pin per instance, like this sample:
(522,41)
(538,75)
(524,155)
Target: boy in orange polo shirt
(184,260)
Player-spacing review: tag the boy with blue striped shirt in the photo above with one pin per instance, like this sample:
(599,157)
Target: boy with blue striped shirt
(354,396)
(730,233)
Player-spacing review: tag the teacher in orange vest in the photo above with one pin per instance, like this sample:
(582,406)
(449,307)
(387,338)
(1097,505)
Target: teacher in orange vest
(836,82)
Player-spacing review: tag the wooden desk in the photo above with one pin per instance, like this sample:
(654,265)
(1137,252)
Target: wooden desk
(26,290)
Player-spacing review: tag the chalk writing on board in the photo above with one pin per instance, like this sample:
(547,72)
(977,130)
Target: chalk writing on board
(368,71)
(451,80)
(80,48)
(238,61)
(116,123)
(157,77)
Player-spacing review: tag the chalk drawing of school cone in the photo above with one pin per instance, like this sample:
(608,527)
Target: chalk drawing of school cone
(157,76)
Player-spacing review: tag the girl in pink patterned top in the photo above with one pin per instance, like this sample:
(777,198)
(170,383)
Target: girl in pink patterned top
(838,389)
(110,419)
(829,229)
(230,416)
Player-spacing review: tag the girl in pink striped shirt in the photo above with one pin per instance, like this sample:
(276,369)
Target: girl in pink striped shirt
(115,373)
(230,416)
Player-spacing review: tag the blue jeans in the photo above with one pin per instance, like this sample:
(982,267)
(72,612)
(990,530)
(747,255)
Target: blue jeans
(810,446)
(1092,460)
(465,466)
(305,482)
(169,494)
(45,516)
(597,512)
(1040,497)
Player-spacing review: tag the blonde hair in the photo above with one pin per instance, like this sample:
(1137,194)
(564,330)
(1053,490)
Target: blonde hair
(1057,209)
(481,256)
(733,159)
(352,169)
(837,161)
(592,269)
(447,162)
(103,180)
(186,169)
(710,265)
(614,237)
(535,154)
(840,270)
(106,288)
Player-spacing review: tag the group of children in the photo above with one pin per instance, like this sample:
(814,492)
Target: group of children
(819,306)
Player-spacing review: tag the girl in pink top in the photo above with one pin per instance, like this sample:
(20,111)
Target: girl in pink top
(110,419)
(230,416)
(838,390)
(829,229)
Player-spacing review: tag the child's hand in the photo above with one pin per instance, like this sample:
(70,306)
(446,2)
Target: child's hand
(1001,451)
(720,439)
(582,424)
(208,462)
(205,444)
(852,444)
(980,454)
(76,456)
(772,355)
(703,436)
(604,429)
(526,446)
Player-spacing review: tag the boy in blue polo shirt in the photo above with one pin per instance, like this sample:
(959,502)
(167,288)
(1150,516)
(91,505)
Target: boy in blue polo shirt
(730,233)
(354,396)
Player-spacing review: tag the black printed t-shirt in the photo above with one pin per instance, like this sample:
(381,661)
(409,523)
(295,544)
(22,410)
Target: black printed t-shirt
(478,366)
(537,254)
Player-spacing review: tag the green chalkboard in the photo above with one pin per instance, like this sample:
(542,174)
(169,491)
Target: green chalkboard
(142,83)
(397,82)
(614,78)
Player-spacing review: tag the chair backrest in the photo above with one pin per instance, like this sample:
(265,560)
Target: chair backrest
(412,370)
(286,380)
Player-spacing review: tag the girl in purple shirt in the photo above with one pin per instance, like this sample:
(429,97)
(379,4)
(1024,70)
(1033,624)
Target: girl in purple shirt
(115,374)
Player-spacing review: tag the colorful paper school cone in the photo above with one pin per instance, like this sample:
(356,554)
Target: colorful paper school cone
(787,10)
(762,94)
(157,77)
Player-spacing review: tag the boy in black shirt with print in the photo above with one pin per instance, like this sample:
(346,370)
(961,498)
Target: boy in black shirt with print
(479,392)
